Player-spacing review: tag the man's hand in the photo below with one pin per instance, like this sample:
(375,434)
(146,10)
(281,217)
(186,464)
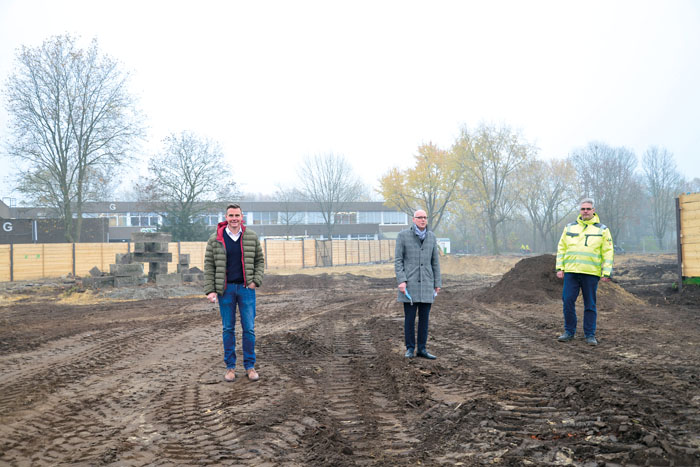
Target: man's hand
(402,287)
(605,279)
(252,285)
(212,297)
(560,274)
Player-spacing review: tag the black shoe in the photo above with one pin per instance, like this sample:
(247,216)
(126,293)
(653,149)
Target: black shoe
(425,354)
(566,337)
(409,353)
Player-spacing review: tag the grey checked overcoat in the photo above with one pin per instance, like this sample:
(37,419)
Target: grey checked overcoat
(418,265)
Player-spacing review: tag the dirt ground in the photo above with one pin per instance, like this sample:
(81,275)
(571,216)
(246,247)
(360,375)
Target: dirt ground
(93,378)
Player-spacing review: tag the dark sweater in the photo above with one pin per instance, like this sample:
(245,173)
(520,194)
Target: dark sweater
(234,265)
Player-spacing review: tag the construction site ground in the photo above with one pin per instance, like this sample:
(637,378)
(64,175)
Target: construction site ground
(134,376)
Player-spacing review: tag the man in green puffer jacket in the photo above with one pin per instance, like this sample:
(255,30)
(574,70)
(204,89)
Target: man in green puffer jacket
(233,269)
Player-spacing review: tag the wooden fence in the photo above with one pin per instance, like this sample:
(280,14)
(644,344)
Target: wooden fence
(318,253)
(36,261)
(688,219)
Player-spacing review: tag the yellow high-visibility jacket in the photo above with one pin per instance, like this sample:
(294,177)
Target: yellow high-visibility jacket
(586,247)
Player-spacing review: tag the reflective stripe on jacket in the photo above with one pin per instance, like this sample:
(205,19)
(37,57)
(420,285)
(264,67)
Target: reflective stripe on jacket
(586,247)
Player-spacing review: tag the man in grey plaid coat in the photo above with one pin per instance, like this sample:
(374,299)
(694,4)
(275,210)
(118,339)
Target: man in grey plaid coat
(417,266)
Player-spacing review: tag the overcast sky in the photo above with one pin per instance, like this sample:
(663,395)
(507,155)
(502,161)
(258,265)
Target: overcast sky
(276,81)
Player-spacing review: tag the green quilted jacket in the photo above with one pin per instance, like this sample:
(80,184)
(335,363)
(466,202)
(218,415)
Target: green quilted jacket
(215,260)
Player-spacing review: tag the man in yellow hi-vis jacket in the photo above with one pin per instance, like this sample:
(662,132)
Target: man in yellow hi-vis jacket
(585,253)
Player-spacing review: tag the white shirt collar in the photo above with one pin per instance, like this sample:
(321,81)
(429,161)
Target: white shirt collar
(233,236)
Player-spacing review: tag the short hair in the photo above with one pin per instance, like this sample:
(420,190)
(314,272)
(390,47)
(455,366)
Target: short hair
(233,206)
(587,201)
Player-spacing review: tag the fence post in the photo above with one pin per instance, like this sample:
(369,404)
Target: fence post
(12,262)
(265,246)
(303,253)
(73,269)
(678,243)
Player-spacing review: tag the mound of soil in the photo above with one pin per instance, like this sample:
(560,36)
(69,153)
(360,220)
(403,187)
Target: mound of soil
(531,280)
(534,280)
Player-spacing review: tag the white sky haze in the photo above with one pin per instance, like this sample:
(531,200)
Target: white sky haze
(274,81)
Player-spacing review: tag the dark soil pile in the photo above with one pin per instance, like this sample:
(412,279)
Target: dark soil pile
(532,280)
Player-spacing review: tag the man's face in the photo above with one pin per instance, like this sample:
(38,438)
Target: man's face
(587,211)
(234,217)
(420,219)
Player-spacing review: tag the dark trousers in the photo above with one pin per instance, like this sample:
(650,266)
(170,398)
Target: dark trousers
(588,285)
(409,325)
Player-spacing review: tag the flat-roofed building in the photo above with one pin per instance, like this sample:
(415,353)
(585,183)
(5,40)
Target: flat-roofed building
(369,220)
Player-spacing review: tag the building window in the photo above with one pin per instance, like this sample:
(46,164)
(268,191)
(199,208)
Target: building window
(115,220)
(291,218)
(211,219)
(393,217)
(362,237)
(369,217)
(265,217)
(144,219)
(315,217)
(345,218)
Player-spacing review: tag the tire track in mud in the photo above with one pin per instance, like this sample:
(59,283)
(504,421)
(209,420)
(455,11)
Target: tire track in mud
(79,418)
(368,420)
(657,388)
(205,421)
(353,419)
(62,363)
(502,348)
(243,422)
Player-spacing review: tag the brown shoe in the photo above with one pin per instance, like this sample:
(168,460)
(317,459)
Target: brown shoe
(230,376)
(252,374)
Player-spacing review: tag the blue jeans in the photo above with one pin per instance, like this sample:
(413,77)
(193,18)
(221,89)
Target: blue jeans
(236,294)
(588,285)
(409,325)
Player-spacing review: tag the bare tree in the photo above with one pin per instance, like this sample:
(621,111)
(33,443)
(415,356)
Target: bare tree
(289,216)
(430,185)
(692,186)
(490,158)
(547,190)
(186,179)
(72,121)
(607,175)
(663,183)
(328,181)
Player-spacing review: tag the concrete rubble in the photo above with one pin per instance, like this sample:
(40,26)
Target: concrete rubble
(128,268)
